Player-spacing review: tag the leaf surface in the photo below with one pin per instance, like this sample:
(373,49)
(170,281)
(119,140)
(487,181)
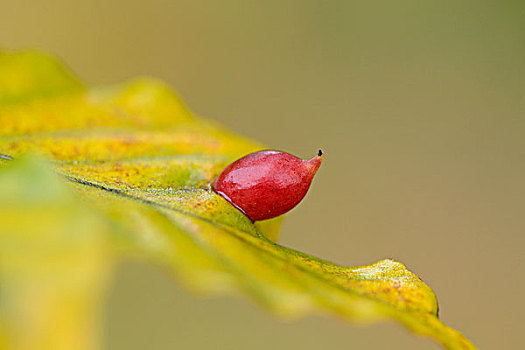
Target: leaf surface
(139,166)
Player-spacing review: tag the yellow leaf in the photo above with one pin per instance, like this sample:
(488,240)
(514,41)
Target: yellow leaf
(54,262)
(141,165)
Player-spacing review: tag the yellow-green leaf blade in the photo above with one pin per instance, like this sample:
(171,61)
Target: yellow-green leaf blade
(138,154)
(55,260)
(26,75)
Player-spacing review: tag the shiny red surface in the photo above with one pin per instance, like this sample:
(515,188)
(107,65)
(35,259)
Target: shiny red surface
(268,183)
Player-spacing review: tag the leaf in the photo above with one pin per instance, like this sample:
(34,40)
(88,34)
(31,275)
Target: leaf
(140,165)
(26,75)
(54,262)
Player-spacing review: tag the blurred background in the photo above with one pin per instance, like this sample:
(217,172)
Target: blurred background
(418,106)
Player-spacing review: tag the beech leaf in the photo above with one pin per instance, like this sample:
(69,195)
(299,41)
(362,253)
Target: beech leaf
(125,172)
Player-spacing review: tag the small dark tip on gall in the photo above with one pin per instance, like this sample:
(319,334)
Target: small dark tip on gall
(320,153)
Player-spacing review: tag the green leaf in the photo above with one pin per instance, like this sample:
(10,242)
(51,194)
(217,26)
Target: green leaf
(138,166)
